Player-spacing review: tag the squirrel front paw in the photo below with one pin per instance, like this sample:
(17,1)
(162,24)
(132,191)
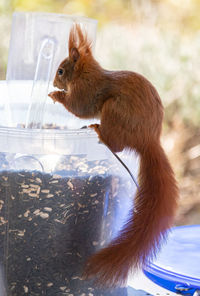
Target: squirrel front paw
(53,96)
(57,96)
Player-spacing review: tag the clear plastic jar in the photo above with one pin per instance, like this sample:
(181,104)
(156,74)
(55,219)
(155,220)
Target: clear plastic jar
(63,196)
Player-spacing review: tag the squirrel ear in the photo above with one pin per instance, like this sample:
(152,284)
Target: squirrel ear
(74,54)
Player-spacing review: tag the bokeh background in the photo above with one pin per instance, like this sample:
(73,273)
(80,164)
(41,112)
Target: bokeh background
(159,39)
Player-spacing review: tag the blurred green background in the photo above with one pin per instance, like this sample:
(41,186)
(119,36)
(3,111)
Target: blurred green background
(159,39)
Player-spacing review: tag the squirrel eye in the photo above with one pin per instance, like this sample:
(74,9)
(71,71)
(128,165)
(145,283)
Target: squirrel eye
(60,71)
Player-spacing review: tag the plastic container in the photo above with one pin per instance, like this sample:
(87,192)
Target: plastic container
(38,44)
(63,196)
(177,267)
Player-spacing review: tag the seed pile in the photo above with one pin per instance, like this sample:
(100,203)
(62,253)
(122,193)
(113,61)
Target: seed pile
(51,223)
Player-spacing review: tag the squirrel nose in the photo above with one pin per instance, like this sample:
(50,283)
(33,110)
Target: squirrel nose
(54,83)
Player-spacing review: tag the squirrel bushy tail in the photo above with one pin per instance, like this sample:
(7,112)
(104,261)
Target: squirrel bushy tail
(154,207)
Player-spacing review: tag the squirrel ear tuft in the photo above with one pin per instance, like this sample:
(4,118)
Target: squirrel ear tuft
(74,54)
(78,44)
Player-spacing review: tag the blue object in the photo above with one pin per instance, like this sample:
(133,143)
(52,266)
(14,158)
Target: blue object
(177,267)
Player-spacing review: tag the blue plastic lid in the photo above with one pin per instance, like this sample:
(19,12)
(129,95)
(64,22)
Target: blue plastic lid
(178,264)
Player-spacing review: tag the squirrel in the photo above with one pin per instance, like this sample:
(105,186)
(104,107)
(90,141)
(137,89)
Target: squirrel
(131,115)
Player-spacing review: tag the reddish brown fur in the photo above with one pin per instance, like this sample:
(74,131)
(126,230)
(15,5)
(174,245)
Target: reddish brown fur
(131,116)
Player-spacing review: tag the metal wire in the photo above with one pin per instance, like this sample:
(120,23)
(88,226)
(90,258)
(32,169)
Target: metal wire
(125,166)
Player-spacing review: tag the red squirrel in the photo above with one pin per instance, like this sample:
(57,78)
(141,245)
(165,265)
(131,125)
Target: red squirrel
(131,115)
